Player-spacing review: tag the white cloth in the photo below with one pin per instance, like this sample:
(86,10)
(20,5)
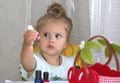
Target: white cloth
(59,71)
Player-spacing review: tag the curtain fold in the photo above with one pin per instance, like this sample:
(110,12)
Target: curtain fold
(105,19)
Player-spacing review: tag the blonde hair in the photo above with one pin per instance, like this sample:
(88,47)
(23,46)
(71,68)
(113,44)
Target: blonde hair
(55,12)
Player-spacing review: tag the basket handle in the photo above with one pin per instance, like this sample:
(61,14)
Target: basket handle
(111,52)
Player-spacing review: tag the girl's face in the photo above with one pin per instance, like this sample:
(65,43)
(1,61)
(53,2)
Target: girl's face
(53,37)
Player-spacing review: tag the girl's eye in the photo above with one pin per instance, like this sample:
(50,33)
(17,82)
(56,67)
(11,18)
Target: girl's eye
(58,36)
(46,34)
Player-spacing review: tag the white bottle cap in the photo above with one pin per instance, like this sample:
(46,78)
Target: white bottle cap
(30,27)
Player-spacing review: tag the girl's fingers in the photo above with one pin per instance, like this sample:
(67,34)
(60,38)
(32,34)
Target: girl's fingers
(30,42)
(38,37)
(30,36)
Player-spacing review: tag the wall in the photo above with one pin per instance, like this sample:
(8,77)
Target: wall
(12,21)
(12,27)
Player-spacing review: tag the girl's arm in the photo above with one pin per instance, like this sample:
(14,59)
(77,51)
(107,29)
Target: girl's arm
(27,58)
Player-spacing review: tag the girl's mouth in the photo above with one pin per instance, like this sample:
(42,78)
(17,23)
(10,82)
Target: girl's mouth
(51,46)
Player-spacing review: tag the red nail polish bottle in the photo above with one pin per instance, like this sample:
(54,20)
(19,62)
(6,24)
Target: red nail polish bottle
(45,77)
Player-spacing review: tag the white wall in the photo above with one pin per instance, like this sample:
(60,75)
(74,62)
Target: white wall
(12,21)
(12,27)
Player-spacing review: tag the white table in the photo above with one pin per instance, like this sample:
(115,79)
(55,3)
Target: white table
(8,81)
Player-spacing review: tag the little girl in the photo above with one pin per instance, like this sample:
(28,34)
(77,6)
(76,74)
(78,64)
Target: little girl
(53,31)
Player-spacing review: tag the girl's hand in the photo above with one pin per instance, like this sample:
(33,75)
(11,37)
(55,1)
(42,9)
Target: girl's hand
(30,36)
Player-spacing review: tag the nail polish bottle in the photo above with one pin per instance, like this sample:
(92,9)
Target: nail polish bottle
(38,77)
(45,77)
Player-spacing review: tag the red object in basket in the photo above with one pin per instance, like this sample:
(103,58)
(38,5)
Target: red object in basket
(104,70)
(81,77)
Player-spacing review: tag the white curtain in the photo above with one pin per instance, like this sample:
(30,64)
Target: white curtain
(105,19)
(34,9)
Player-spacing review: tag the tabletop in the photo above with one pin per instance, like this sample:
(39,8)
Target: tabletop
(8,81)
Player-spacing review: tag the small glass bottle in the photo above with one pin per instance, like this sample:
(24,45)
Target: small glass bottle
(45,77)
(38,77)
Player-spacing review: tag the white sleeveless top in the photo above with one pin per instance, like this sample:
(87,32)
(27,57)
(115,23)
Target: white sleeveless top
(59,72)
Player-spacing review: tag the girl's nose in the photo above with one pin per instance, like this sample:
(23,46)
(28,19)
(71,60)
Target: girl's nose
(51,39)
